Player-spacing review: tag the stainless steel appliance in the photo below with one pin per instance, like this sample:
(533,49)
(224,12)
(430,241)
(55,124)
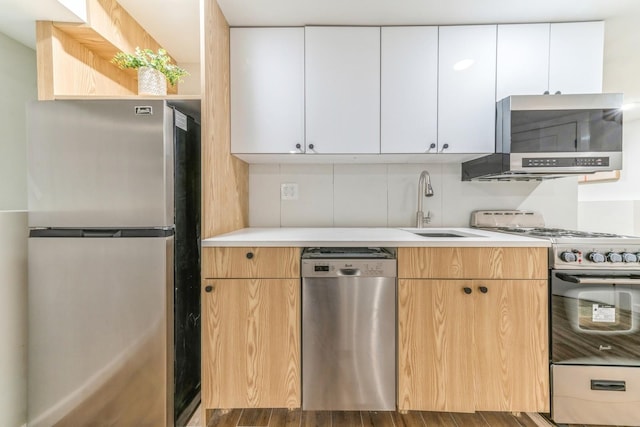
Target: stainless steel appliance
(114,263)
(549,136)
(594,283)
(348,329)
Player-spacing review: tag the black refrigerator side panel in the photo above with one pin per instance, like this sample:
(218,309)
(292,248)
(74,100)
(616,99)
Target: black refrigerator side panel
(187,267)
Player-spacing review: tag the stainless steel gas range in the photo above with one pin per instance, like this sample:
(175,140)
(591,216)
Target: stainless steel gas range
(594,297)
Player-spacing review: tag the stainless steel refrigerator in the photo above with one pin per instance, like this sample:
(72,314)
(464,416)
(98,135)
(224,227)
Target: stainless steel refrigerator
(114,263)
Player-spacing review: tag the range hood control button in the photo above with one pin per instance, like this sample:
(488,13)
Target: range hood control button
(629,257)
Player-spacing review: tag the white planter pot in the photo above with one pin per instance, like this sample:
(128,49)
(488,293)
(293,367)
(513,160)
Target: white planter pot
(151,82)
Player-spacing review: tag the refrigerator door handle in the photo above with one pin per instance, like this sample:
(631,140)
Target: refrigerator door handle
(101,233)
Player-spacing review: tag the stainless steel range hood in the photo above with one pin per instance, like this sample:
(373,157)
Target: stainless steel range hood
(552,136)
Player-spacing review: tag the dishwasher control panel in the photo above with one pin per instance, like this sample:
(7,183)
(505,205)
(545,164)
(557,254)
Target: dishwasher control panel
(348,262)
(349,268)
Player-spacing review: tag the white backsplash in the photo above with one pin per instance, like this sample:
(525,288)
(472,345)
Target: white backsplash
(383,195)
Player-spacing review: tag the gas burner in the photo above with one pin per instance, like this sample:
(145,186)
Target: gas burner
(562,233)
(570,249)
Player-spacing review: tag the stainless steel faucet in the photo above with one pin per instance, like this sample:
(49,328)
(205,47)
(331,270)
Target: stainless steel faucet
(424,190)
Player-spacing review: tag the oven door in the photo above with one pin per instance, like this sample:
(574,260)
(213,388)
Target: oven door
(595,317)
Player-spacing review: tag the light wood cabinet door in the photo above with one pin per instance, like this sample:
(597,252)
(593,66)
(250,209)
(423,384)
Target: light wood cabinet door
(342,89)
(473,345)
(467,89)
(267,90)
(576,52)
(435,339)
(250,262)
(251,343)
(511,351)
(409,90)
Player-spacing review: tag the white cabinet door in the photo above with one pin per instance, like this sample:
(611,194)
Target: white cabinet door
(267,90)
(576,57)
(523,60)
(409,90)
(467,89)
(342,89)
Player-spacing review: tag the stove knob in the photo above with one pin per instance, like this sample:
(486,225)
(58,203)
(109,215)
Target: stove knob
(596,257)
(614,257)
(568,257)
(629,257)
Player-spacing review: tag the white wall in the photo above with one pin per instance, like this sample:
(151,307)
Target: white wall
(13,318)
(614,206)
(386,196)
(18,74)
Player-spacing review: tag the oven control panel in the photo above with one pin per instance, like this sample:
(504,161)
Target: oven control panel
(568,256)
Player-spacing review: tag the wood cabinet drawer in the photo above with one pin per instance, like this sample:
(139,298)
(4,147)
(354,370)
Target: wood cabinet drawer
(472,263)
(248,262)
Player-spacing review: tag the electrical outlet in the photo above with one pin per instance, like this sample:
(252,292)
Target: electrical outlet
(289,191)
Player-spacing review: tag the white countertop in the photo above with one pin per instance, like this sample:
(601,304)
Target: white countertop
(390,237)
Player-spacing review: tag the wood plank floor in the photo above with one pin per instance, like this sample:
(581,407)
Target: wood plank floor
(298,418)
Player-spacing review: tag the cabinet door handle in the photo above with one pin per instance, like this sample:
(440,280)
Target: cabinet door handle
(445,146)
(310,146)
(483,289)
(249,255)
(299,148)
(208,288)
(467,290)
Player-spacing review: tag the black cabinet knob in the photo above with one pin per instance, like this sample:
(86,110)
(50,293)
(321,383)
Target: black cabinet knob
(249,255)
(432,145)
(483,289)
(298,146)
(310,146)
(208,288)
(445,146)
(467,290)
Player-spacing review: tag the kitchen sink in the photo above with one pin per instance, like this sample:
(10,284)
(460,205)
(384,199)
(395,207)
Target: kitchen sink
(441,234)
(438,234)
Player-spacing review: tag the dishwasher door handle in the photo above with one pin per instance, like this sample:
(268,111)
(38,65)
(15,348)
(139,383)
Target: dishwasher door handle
(348,272)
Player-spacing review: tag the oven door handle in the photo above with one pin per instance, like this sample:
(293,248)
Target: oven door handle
(620,280)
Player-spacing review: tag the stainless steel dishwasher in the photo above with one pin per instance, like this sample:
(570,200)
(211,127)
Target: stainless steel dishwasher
(348,329)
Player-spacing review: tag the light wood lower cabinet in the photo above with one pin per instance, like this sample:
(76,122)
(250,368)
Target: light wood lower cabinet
(473,345)
(251,345)
(251,328)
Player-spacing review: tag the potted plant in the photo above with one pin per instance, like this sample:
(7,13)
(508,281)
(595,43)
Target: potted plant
(154,69)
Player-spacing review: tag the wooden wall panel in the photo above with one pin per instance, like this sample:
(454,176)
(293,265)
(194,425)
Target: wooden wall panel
(44,59)
(115,25)
(473,263)
(225,178)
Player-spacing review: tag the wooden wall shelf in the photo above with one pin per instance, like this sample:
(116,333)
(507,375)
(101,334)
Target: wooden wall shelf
(74,59)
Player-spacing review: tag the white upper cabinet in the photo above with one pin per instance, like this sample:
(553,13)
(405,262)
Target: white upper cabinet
(523,60)
(409,90)
(267,90)
(576,57)
(467,89)
(342,75)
